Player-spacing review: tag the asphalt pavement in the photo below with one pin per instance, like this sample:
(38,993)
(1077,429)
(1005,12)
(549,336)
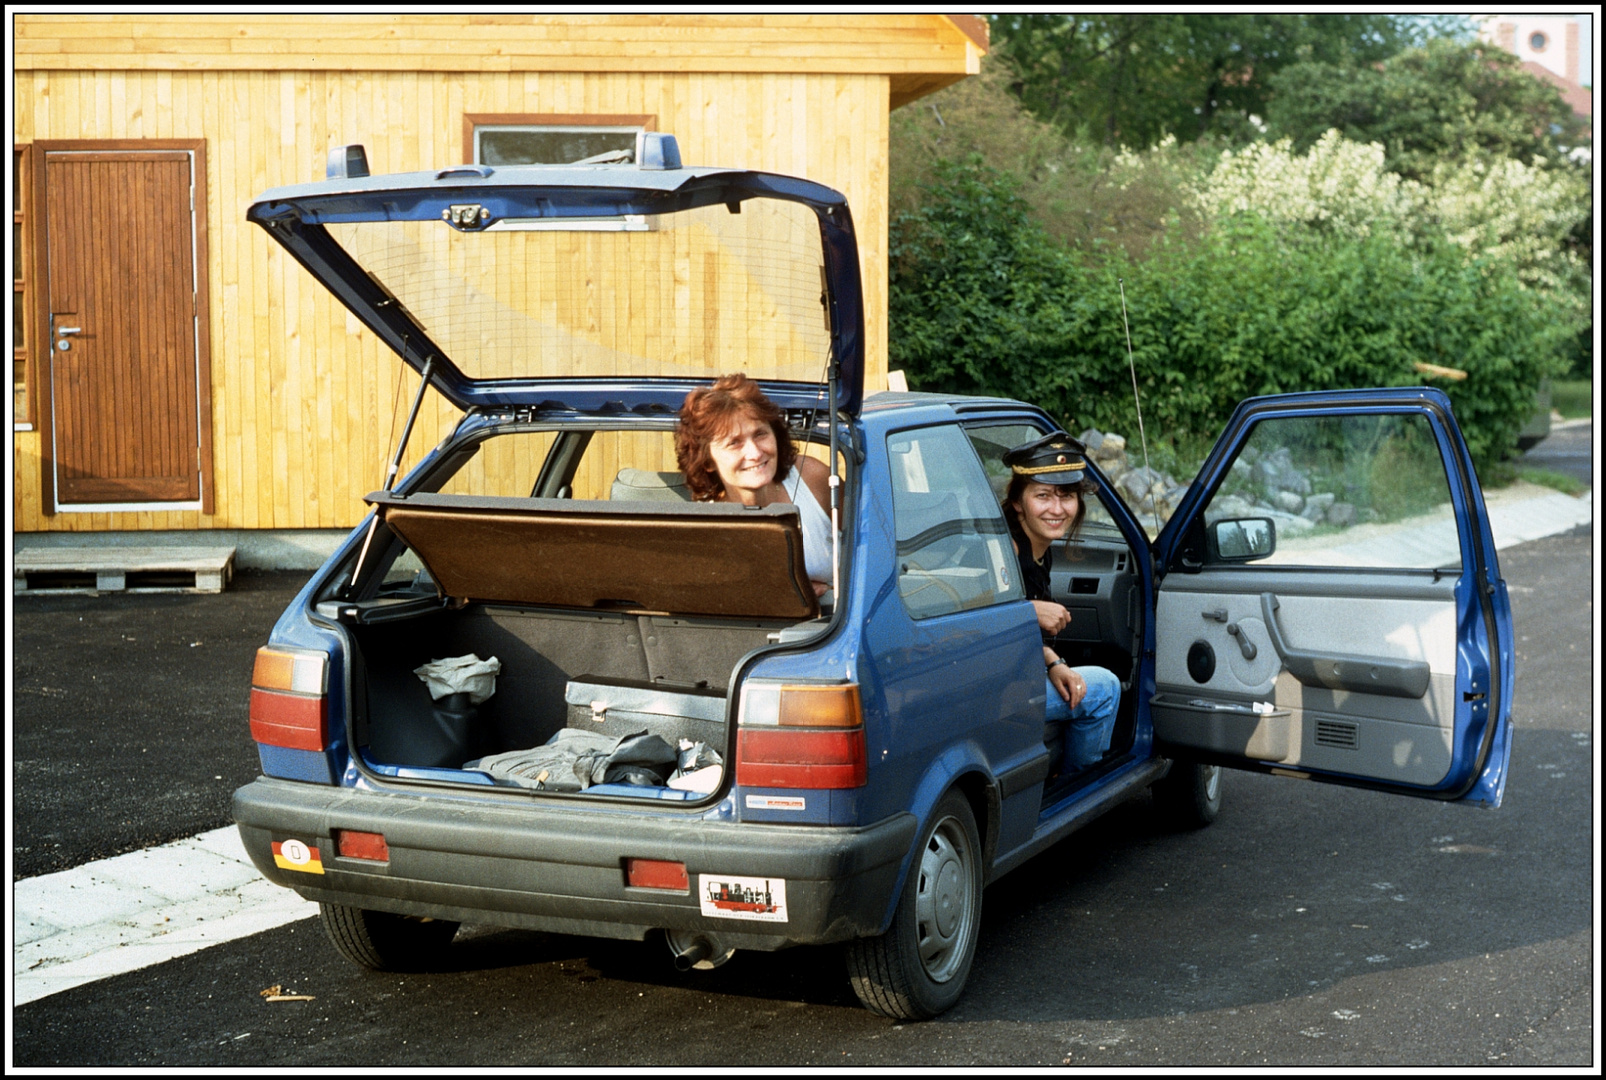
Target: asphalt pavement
(1311,925)
(1569,449)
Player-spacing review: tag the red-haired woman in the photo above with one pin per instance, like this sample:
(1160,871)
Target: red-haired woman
(733,445)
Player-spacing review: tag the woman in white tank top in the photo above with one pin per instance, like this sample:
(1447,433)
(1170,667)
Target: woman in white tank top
(733,446)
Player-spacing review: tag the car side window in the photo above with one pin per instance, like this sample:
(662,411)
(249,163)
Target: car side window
(993,441)
(953,548)
(1354,491)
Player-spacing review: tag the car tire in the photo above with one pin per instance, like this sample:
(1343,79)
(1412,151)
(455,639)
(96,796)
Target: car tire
(917,969)
(1190,795)
(384,942)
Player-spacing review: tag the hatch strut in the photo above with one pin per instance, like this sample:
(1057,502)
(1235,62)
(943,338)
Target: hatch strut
(835,482)
(395,465)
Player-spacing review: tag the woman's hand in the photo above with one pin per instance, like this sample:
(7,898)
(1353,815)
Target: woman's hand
(1051,617)
(1071,686)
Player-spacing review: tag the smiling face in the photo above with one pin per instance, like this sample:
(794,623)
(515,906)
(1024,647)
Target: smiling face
(744,457)
(1047,514)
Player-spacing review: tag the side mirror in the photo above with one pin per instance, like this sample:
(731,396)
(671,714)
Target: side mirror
(1241,539)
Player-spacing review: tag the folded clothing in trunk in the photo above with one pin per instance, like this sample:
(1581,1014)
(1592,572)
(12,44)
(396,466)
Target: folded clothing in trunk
(573,760)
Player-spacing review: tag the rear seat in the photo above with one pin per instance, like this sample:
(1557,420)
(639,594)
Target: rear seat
(643,485)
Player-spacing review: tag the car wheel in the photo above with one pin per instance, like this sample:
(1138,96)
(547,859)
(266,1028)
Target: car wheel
(918,968)
(1190,795)
(386,942)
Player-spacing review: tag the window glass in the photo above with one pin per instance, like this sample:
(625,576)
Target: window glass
(993,441)
(554,144)
(953,548)
(699,293)
(1363,491)
(505,465)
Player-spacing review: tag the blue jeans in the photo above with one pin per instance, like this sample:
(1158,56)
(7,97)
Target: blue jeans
(1088,726)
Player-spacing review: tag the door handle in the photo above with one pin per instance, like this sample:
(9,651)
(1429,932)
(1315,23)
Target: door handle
(1215,614)
(64,330)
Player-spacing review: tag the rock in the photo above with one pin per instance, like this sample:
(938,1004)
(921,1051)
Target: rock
(1242,471)
(1092,438)
(1316,507)
(1134,484)
(1111,445)
(1341,514)
(1229,506)
(1289,502)
(1290,525)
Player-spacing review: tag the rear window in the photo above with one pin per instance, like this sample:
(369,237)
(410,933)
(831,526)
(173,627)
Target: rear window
(696,294)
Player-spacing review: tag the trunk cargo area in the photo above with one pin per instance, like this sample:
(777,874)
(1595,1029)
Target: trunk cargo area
(612,673)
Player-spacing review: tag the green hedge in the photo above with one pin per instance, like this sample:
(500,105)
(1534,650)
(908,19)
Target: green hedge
(982,301)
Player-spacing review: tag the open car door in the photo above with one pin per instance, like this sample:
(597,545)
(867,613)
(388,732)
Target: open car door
(1331,605)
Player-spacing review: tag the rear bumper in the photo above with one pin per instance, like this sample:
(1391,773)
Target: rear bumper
(561,868)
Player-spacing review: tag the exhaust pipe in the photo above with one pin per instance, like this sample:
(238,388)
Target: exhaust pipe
(694,953)
(693,949)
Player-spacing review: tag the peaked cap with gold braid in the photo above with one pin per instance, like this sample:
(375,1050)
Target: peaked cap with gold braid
(1054,459)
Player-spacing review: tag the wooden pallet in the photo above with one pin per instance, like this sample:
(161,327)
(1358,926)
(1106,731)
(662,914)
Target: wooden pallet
(96,570)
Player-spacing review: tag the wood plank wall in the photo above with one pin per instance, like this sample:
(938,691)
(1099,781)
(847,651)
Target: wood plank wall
(305,403)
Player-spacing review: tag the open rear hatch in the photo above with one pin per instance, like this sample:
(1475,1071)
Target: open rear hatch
(590,285)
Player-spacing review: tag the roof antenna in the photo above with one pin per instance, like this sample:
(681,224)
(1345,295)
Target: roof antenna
(1132,366)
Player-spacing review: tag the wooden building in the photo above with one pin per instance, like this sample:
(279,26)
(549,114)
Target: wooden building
(176,370)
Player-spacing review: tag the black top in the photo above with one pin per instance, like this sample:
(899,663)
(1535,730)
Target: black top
(1034,573)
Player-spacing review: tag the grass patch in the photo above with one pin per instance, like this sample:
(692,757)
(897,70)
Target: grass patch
(1550,478)
(1573,398)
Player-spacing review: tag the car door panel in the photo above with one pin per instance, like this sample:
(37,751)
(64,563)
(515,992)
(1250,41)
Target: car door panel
(1366,647)
(1320,721)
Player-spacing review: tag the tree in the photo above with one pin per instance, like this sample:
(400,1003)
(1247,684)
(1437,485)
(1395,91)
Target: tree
(1088,197)
(1448,101)
(1132,79)
(983,301)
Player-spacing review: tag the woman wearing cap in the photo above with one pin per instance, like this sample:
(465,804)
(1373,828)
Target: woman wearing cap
(732,445)
(1044,505)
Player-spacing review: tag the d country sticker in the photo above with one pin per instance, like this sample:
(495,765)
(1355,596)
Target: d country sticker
(297,855)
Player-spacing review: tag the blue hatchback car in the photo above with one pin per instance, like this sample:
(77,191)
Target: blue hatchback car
(1324,604)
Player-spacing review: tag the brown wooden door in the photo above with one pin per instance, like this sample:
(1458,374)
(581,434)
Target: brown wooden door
(124,369)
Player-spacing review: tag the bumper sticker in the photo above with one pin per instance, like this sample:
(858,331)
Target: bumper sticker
(775,802)
(297,855)
(757,899)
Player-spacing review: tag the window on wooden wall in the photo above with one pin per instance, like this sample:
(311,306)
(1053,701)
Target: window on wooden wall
(21,265)
(559,139)
(553,139)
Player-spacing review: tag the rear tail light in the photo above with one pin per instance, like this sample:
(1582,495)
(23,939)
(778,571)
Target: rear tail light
(289,701)
(800,736)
